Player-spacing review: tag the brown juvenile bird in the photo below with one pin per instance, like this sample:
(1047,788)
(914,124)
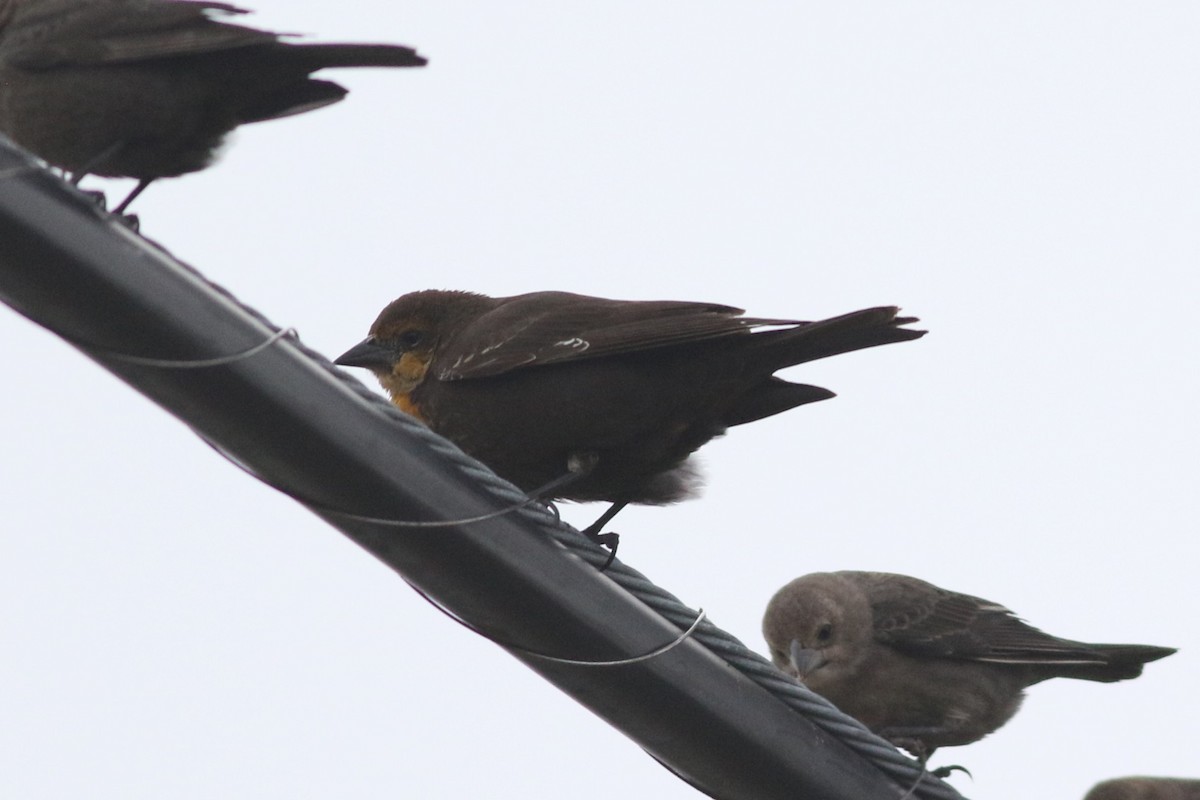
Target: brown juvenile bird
(614,394)
(921,666)
(1142,788)
(148,89)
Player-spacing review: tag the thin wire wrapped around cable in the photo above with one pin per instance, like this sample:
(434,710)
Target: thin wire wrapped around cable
(526,501)
(181,363)
(574,662)
(658,651)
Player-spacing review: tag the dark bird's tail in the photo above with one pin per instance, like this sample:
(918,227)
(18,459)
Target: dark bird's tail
(809,341)
(282,87)
(857,330)
(1119,662)
(320,56)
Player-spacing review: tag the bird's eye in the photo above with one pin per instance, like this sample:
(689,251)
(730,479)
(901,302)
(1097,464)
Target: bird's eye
(824,632)
(410,339)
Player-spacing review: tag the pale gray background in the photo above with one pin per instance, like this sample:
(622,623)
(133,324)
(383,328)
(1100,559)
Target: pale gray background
(1023,176)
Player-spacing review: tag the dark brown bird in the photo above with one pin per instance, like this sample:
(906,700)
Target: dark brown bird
(617,393)
(148,89)
(921,666)
(1142,788)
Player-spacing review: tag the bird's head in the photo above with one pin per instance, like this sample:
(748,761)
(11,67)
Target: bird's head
(405,339)
(817,627)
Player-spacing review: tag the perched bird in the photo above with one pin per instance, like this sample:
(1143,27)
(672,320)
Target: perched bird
(148,89)
(921,666)
(599,399)
(1142,788)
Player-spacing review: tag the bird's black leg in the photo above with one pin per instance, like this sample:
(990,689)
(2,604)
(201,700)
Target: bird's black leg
(95,161)
(609,540)
(87,169)
(129,198)
(94,195)
(580,465)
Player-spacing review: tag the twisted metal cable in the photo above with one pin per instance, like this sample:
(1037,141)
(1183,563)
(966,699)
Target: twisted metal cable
(902,770)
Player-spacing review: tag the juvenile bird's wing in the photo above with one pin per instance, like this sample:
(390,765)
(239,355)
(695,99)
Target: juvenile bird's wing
(553,327)
(57,33)
(923,620)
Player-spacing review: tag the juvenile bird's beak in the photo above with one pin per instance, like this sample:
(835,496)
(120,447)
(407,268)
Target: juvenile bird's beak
(805,659)
(369,354)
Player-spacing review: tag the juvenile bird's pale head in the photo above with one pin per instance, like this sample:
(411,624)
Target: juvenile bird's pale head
(818,628)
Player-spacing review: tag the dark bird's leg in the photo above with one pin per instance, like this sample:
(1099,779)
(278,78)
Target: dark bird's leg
(609,540)
(99,159)
(141,187)
(95,161)
(580,465)
(96,196)
(910,739)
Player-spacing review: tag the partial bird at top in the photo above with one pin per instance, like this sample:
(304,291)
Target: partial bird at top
(148,89)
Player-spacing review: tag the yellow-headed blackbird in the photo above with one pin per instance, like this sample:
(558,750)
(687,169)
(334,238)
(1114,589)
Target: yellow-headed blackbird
(620,393)
(922,666)
(147,89)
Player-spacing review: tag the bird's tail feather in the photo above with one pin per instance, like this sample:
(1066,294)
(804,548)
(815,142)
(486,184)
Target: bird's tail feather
(857,330)
(1121,662)
(357,55)
(295,98)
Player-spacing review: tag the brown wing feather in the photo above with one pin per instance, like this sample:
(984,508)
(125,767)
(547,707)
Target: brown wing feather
(554,327)
(922,619)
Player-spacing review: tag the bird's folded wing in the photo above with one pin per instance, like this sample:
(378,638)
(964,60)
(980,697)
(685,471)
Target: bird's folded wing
(554,327)
(925,621)
(91,34)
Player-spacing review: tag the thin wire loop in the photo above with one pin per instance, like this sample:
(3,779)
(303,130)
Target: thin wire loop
(913,788)
(574,662)
(533,497)
(529,500)
(620,662)
(398,523)
(194,363)
(445,523)
(404,523)
(940,773)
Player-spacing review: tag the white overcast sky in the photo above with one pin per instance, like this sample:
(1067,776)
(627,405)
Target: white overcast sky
(1021,175)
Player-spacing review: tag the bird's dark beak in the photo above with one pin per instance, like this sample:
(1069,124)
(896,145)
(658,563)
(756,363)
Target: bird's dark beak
(805,659)
(368,354)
